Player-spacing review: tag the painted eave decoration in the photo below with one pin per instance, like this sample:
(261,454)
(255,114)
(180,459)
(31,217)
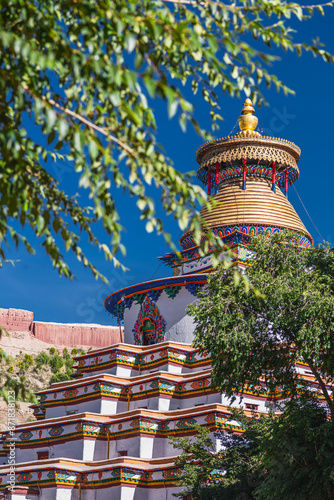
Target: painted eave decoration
(122,299)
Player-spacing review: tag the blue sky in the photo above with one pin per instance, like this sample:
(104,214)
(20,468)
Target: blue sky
(306,119)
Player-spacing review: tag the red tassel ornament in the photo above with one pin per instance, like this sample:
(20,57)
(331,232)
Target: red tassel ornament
(273,185)
(217,176)
(244,173)
(286,179)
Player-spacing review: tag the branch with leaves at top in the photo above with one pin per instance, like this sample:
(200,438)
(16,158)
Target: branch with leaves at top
(85,77)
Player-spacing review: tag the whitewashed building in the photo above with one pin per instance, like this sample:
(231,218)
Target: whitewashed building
(105,434)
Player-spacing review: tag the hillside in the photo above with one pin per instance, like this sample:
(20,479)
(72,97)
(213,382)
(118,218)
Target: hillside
(35,371)
(36,353)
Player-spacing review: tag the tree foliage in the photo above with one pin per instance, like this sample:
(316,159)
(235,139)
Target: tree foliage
(85,74)
(290,457)
(252,338)
(297,453)
(230,474)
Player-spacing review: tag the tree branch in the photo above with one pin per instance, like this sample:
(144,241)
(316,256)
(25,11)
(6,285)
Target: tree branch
(322,385)
(233,8)
(86,122)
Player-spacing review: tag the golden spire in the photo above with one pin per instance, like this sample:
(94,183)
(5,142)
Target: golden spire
(247,121)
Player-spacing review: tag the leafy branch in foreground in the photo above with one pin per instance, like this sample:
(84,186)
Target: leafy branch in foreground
(77,84)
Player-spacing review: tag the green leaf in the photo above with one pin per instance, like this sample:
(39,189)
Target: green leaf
(172,108)
(139,59)
(86,75)
(150,85)
(149,226)
(141,204)
(93,149)
(62,128)
(77,141)
(51,118)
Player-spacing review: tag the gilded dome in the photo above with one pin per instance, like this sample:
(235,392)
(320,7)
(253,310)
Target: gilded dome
(257,205)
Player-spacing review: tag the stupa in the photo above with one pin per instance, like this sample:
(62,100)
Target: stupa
(105,434)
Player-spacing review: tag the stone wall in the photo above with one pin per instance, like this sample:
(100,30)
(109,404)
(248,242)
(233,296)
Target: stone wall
(80,334)
(18,320)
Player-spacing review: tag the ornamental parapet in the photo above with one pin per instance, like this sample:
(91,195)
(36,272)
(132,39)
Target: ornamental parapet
(263,151)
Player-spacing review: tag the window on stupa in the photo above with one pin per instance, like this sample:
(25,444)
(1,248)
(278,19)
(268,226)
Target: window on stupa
(251,406)
(42,455)
(148,331)
(123,453)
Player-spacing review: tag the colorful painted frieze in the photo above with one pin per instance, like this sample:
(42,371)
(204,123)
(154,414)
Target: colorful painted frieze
(141,359)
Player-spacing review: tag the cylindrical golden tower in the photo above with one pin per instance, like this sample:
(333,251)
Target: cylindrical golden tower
(247,174)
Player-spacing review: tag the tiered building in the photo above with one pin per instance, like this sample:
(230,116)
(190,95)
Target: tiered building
(105,434)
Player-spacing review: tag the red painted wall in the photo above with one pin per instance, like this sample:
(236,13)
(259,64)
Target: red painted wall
(96,336)
(17,320)
(59,333)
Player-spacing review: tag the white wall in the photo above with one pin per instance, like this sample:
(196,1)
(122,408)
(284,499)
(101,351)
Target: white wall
(69,449)
(93,406)
(162,403)
(179,327)
(130,493)
(111,493)
(102,406)
(22,496)
(55,494)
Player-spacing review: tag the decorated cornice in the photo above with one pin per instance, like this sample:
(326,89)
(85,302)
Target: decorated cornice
(144,359)
(159,384)
(230,239)
(123,426)
(149,473)
(248,146)
(263,151)
(232,235)
(101,420)
(131,348)
(252,170)
(173,259)
(118,301)
(118,388)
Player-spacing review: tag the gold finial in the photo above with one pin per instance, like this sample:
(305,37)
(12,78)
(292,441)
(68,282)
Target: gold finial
(247,121)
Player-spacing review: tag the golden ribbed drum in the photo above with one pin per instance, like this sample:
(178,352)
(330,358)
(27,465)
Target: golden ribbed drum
(257,205)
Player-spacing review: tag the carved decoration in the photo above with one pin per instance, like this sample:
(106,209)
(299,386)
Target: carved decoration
(25,436)
(200,384)
(150,325)
(70,393)
(56,431)
(268,149)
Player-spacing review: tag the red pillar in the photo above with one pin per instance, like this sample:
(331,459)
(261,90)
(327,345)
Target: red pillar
(217,176)
(286,179)
(244,173)
(273,186)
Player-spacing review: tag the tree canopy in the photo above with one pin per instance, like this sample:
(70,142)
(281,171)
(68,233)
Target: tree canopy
(290,457)
(257,342)
(261,337)
(86,74)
